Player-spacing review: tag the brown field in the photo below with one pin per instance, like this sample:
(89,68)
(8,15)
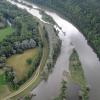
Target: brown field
(18,62)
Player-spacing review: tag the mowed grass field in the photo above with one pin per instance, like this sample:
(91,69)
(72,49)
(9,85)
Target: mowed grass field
(5,32)
(19,64)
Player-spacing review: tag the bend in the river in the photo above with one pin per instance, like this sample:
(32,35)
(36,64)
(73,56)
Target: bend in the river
(69,35)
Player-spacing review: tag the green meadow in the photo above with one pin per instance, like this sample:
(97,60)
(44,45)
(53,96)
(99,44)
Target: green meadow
(5,32)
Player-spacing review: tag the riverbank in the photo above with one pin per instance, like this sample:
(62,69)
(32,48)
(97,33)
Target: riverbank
(77,76)
(85,15)
(54,50)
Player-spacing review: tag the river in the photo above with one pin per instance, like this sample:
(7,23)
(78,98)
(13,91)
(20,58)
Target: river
(91,65)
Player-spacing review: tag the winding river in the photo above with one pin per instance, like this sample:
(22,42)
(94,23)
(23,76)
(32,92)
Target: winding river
(69,35)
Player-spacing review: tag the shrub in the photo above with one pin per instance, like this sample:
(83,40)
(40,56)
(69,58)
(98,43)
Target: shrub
(29,61)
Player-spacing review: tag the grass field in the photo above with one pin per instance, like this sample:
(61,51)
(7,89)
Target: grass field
(2,79)
(5,32)
(19,64)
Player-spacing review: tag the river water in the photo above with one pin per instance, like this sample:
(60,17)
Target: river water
(69,35)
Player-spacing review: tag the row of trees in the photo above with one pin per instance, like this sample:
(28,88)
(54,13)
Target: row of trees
(63,92)
(16,47)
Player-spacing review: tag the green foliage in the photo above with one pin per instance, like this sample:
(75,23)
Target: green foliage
(35,63)
(29,61)
(5,32)
(11,79)
(63,92)
(25,28)
(54,49)
(47,18)
(77,74)
(2,79)
(27,98)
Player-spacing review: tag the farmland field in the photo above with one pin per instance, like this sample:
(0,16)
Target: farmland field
(19,64)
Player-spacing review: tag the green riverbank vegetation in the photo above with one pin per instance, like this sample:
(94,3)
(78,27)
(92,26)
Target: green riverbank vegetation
(77,76)
(63,91)
(47,18)
(54,49)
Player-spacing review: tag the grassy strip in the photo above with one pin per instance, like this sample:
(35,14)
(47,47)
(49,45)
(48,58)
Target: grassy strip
(77,75)
(5,32)
(2,79)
